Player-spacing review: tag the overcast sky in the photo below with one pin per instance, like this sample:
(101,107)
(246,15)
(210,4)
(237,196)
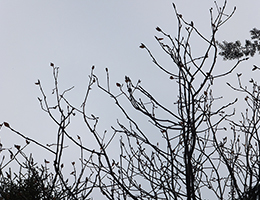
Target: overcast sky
(78,34)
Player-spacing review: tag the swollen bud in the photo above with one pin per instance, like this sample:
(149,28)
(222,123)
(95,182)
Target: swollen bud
(17,146)
(6,125)
(46,161)
(38,82)
(158,29)
(142,46)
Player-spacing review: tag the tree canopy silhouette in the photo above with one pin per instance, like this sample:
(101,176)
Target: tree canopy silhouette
(235,50)
(193,157)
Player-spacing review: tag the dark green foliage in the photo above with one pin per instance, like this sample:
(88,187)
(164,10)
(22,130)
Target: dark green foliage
(255,34)
(34,184)
(252,194)
(234,50)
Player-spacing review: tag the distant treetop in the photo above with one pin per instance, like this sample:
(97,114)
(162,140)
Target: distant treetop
(234,50)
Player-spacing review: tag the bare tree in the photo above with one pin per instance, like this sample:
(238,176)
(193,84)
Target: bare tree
(190,161)
(244,151)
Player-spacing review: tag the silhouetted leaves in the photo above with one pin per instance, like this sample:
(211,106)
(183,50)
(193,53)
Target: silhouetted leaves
(33,184)
(255,34)
(234,50)
(231,50)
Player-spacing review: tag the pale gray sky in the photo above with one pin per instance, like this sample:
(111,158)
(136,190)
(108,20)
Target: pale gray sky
(78,34)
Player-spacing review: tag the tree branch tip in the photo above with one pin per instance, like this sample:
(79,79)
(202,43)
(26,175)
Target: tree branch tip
(6,124)
(142,46)
(38,82)
(158,29)
(228,84)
